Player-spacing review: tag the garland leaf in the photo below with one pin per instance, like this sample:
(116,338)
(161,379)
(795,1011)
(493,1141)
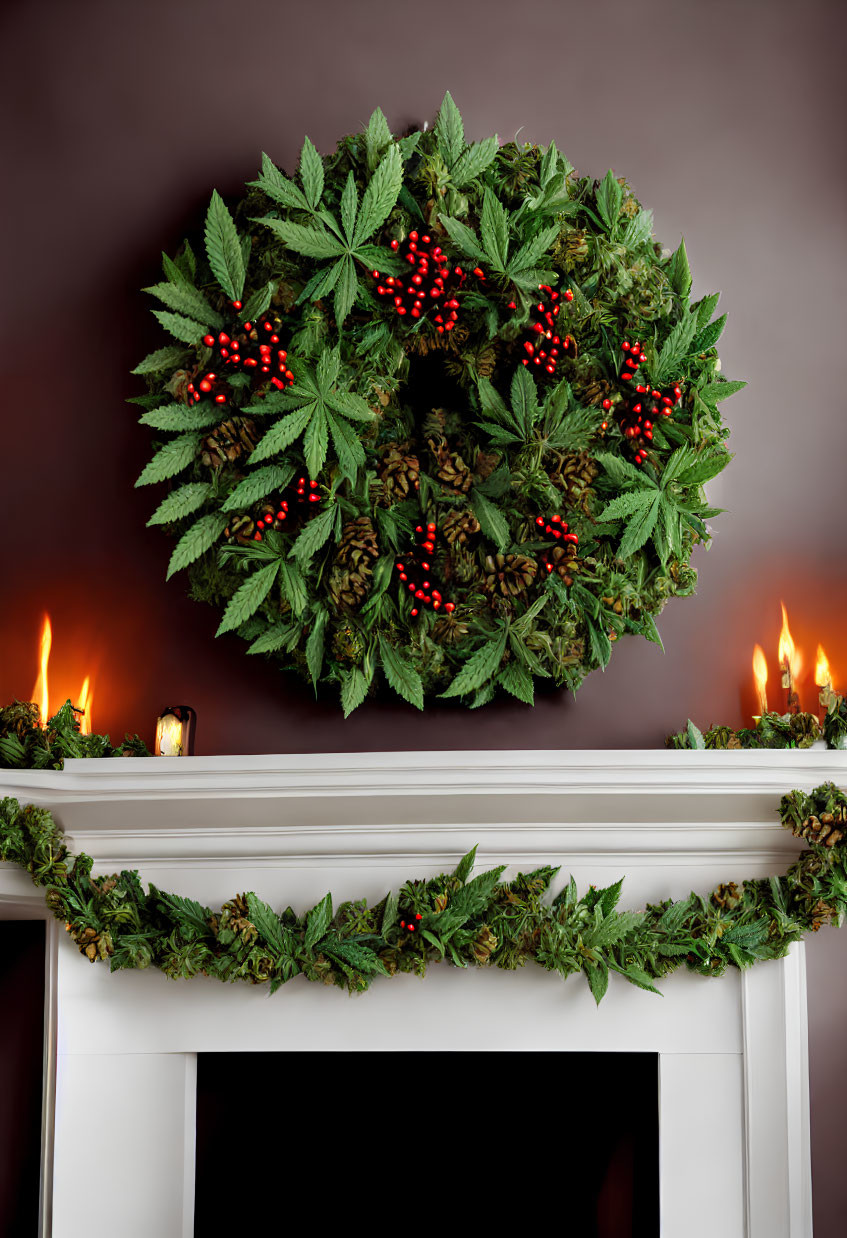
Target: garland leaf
(170,459)
(181,502)
(401,675)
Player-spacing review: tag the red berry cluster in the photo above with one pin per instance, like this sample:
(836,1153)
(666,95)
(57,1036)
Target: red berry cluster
(542,345)
(252,348)
(415,569)
(637,414)
(556,528)
(411,924)
(431,286)
(300,495)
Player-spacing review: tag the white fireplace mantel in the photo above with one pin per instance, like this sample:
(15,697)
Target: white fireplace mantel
(292,827)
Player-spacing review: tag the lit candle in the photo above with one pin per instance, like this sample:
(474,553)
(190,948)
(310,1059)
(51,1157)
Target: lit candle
(175,731)
(760,674)
(790,662)
(823,678)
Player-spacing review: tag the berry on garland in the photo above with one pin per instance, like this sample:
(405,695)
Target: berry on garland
(411,923)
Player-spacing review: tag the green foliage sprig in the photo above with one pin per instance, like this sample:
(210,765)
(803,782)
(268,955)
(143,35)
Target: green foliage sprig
(26,744)
(772,730)
(507,442)
(457,918)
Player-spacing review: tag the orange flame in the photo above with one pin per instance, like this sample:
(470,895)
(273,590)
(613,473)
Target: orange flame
(760,674)
(86,697)
(39,692)
(789,657)
(823,674)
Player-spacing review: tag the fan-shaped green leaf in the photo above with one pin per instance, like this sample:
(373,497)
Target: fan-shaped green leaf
(199,538)
(223,248)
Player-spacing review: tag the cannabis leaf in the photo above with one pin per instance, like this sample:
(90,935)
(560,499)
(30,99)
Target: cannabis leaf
(181,502)
(223,248)
(258,484)
(185,299)
(480,667)
(162,359)
(660,509)
(248,597)
(401,675)
(317,405)
(493,245)
(199,538)
(556,422)
(170,459)
(344,242)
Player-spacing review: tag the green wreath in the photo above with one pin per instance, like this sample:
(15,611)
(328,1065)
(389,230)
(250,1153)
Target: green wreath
(439,408)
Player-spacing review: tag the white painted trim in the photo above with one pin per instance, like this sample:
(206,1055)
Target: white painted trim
(48,1100)
(776,1099)
(189,1167)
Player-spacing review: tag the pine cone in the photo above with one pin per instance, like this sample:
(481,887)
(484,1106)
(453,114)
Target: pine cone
(349,581)
(459,527)
(574,476)
(92,944)
(824,830)
(358,545)
(485,944)
(451,469)
(727,896)
(482,361)
(240,530)
(399,472)
(229,442)
(236,918)
(595,392)
(485,463)
(561,561)
(509,575)
(576,245)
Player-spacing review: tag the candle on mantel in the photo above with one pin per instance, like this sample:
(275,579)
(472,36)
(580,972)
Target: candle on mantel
(760,675)
(823,678)
(175,731)
(791,664)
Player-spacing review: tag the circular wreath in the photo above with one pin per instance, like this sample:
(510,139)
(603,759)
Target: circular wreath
(438,408)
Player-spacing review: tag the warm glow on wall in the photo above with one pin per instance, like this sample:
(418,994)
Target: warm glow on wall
(41,691)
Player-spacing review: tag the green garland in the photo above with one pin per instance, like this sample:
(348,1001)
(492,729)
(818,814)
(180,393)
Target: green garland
(454,918)
(772,730)
(25,744)
(473,482)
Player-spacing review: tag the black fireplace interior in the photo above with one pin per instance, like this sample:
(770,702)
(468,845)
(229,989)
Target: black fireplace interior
(21,1073)
(430,1142)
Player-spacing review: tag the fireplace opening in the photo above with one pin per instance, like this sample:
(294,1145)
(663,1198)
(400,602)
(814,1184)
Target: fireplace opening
(22,946)
(431,1142)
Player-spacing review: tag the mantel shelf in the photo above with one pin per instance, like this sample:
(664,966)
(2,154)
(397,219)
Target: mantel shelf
(650,803)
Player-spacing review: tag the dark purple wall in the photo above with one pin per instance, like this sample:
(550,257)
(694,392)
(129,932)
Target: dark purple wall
(119,119)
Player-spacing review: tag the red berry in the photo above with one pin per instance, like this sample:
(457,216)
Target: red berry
(220,399)
(568,294)
(626,346)
(236,305)
(395,244)
(607,404)
(449,606)
(208,340)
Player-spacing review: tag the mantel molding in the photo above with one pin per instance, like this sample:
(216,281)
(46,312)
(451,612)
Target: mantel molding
(655,805)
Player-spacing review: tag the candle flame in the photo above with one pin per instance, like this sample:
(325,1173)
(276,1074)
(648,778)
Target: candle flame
(789,657)
(40,693)
(86,698)
(823,674)
(760,674)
